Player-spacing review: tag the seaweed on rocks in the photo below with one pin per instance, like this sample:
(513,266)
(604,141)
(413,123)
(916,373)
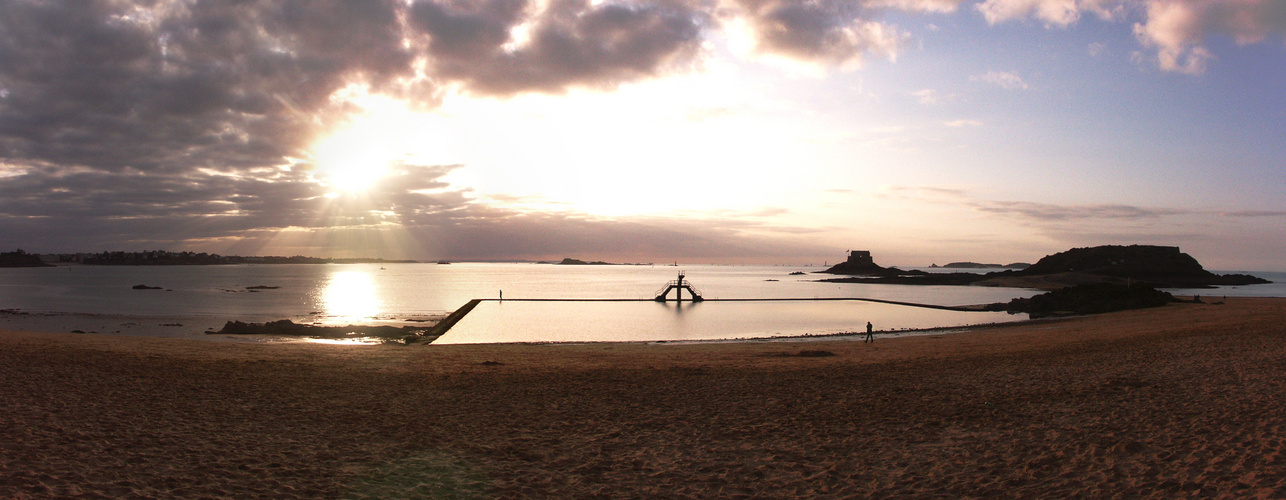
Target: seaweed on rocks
(285,327)
(1092,298)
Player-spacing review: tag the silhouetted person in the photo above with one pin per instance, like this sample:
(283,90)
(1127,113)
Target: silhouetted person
(502,295)
(870,337)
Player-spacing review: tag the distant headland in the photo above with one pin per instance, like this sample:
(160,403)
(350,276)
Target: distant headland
(975,265)
(20,258)
(1145,265)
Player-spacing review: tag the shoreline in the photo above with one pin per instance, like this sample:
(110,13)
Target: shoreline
(1180,400)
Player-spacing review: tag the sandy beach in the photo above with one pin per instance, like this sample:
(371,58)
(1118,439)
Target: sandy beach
(1183,400)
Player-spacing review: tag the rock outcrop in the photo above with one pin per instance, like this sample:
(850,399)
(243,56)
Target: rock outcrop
(1143,265)
(860,263)
(1150,265)
(1093,298)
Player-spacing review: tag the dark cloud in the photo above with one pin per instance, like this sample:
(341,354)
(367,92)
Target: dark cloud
(239,202)
(831,32)
(570,43)
(228,84)
(1033,211)
(171,124)
(225,85)
(1052,212)
(411,213)
(1255,213)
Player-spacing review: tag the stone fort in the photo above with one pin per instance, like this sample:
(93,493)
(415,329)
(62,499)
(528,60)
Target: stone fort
(860,258)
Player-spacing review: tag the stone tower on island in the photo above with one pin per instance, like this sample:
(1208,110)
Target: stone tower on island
(860,258)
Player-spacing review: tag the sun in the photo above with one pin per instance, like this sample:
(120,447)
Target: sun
(368,146)
(355,158)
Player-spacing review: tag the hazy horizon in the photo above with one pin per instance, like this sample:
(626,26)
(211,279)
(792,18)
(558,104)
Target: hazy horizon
(701,131)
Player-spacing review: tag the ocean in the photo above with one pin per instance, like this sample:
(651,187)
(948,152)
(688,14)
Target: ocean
(191,300)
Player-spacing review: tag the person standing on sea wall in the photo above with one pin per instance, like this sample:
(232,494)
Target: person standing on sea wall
(870,337)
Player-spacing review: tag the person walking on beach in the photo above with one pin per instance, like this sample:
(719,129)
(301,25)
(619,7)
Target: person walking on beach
(869,336)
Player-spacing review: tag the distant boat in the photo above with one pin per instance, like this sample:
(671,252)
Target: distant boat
(443,262)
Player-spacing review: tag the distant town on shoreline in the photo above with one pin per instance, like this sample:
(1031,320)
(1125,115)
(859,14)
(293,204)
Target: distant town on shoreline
(19,258)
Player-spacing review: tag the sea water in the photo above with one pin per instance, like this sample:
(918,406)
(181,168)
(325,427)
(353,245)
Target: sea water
(519,321)
(200,298)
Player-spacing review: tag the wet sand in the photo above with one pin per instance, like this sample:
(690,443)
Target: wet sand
(1184,400)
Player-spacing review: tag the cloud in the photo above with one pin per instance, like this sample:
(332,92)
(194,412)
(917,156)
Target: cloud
(1176,29)
(176,123)
(567,43)
(236,202)
(1031,211)
(928,97)
(963,123)
(1060,13)
(1007,80)
(827,32)
(106,86)
(1053,212)
(1254,213)
(927,6)
(234,84)
(928,193)
(1052,12)
(413,213)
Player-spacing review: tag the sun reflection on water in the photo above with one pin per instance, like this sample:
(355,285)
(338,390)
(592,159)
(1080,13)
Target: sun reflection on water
(347,341)
(350,297)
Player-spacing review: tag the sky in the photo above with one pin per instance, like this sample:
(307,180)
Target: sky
(691,131)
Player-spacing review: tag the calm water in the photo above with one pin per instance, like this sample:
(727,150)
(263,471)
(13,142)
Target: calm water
(202,297)
(511,321)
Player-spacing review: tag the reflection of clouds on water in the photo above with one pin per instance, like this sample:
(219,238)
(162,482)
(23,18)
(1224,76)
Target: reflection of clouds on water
(350,296)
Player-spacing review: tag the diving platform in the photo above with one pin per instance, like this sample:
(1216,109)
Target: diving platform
(678,286)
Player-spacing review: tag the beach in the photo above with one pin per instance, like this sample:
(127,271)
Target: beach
(1181,400)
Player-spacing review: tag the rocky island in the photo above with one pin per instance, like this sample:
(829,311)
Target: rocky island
(577,262)
(860,263)
(863,269)
(1145,265)
(568,261)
